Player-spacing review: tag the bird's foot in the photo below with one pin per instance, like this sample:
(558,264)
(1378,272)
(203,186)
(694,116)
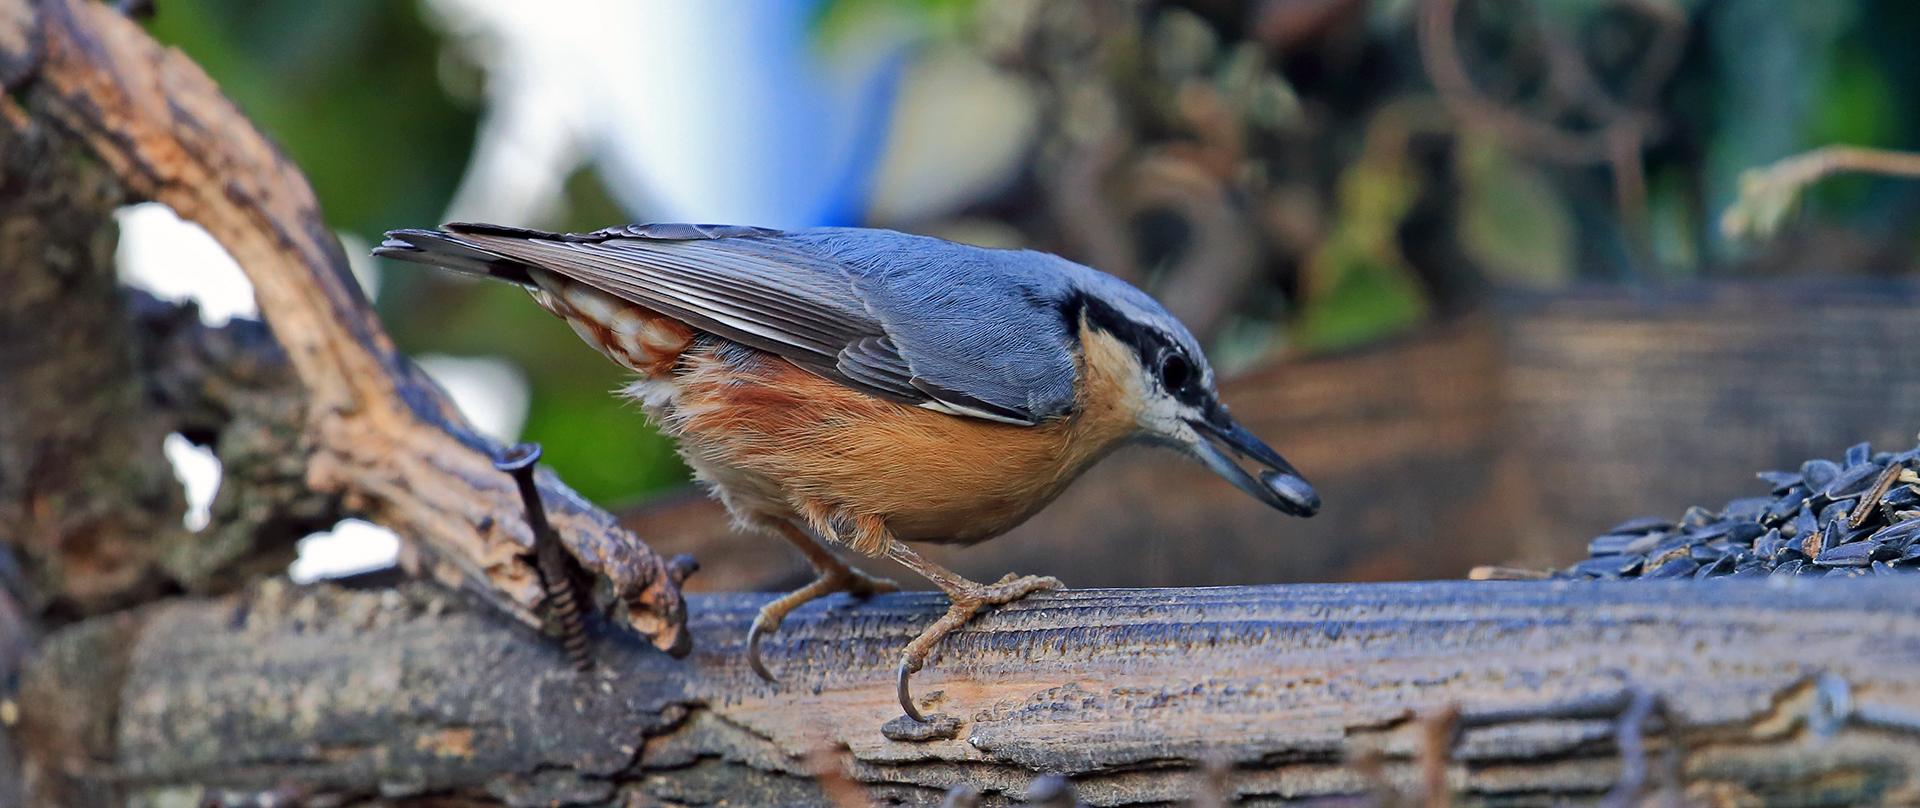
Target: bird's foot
(968,599)
(841,578)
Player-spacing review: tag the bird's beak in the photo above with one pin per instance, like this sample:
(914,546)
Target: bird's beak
(1278,485)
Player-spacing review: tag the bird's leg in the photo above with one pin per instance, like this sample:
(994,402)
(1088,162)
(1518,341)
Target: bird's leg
(968,599)
(833,575)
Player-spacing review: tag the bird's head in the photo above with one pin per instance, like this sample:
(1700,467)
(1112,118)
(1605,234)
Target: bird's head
(1173,395)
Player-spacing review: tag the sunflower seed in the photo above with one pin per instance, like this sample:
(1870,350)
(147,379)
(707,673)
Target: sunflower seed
(1834,512)
(1857,554)
(1898,534)
(1818,473)
(1614,566)
(1715,567)
(1746,509)
(1611,544)
(1709,532)
(1745,532)
(1787,505)
(1805,523)
(1853,482)
(1782,480)
(1869,504)
(1679,567)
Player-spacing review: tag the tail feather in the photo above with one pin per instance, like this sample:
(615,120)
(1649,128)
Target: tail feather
(447,251)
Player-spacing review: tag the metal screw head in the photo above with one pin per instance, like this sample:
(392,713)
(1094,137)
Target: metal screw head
(517,457)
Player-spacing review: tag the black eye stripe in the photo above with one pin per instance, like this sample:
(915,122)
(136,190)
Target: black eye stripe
(1153,348)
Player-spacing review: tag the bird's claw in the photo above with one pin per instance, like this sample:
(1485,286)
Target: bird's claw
(754,661)
(845,579)
(967,602)
(905,687)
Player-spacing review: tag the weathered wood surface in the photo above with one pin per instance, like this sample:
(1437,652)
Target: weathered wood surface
(1131,693)
(382,437)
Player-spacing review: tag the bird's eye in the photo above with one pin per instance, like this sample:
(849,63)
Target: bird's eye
(1175,373)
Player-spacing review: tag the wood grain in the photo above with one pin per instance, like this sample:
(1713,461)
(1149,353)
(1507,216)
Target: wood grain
(1131,693)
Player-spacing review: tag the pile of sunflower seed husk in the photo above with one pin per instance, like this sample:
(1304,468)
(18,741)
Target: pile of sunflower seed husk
(1860,516)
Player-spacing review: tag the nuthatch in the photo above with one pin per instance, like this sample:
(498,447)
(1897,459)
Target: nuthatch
(877,387)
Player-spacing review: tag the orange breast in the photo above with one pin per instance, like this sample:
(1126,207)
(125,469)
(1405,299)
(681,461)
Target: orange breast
(780,442)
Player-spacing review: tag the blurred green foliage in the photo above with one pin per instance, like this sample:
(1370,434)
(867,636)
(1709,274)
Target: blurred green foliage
(350,88)
(1358,287)
(1782,78)
(600,443)
(832,20)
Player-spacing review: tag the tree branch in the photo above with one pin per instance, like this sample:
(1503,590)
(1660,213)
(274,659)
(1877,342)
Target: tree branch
(1133,694)
(384,437)
(1769,192)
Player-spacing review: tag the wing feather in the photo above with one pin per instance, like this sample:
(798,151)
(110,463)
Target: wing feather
(874,361)
(866,309)
(786,307)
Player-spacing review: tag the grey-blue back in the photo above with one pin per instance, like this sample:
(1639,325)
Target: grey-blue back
(910,318)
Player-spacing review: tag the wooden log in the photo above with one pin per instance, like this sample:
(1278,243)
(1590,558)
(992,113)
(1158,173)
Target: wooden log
(1804,693)
(383,437)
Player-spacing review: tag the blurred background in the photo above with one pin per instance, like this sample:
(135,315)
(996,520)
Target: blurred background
(1461,260)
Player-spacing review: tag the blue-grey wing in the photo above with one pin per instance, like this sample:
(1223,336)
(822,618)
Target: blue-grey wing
(981,330)
(886,314)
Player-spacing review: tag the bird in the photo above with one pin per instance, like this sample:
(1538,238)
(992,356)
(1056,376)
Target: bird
(873,389)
